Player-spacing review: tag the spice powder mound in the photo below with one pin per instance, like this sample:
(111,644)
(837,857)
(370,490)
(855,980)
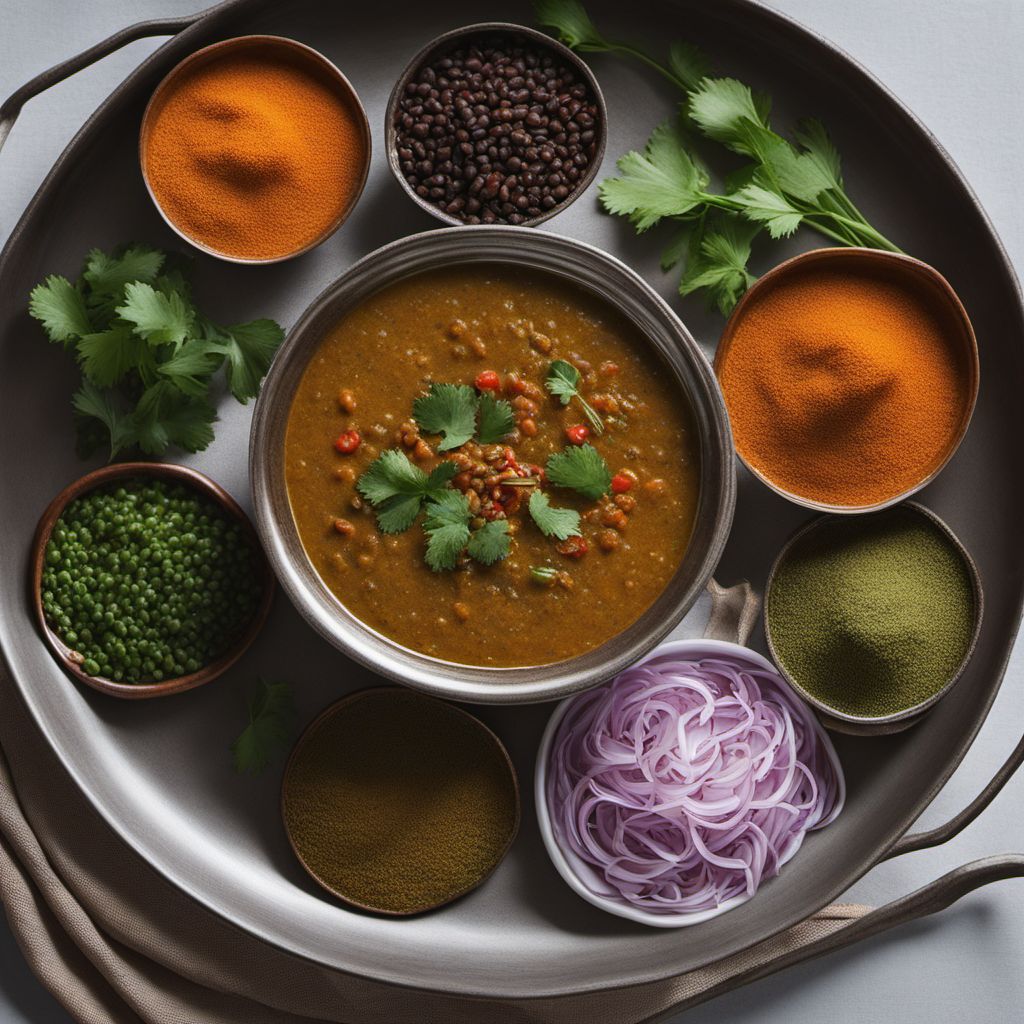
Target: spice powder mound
(398,802)
(844,387)
(872,615)
(254,153)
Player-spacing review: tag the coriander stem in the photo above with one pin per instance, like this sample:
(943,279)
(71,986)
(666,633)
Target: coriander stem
(866,232)
(650,62)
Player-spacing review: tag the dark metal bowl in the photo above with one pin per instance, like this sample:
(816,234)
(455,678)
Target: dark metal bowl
(448,41)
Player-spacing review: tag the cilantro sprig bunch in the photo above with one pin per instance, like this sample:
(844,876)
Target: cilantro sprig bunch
(780,185)
(147,354)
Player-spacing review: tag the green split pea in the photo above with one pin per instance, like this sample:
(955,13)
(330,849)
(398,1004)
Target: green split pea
(872,615)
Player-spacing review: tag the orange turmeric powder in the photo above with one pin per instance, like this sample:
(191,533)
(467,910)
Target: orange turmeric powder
(844,386)
(254,153)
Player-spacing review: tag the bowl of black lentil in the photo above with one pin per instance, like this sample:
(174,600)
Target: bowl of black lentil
(495,124)
(148,579)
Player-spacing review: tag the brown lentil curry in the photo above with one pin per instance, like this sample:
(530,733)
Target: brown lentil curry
(500,329)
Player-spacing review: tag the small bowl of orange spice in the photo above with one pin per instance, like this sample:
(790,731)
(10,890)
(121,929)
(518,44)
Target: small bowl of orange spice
(255,149)
(850,376)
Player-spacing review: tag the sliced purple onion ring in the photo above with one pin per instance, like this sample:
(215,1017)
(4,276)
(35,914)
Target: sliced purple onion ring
(682,784)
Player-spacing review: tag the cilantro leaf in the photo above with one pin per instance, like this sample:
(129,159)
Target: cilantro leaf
(189,368)
(107,276)
(811,134)
(248,348)
(389,474)
(448,410)
(688,63)
(563,381)
(95,405)
(271,721)
(166,416)
(719,263)
(773,210)
(398,513)
(678,249)
(396,488)
(158,317)
(109,355)
(59,306)
(496,419)
(581,468)
(572,23)
(721,106)
(447,528)
(490,543)
(663,181)
(559,523)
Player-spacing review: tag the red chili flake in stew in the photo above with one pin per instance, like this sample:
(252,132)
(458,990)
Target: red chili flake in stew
(578,434)
(572,547)
(621,483)
(348,442)
(488,380)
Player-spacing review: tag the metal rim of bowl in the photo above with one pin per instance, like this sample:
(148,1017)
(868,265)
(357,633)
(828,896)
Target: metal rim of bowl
(585,267)
(335,707)
(896,263)
(447,39)
(564,861)
(911,715)
(306,53)
(154,470)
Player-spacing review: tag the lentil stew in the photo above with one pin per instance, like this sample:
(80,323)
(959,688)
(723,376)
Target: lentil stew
(538,571)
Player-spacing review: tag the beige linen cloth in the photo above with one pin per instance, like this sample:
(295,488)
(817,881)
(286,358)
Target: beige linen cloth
(117,944)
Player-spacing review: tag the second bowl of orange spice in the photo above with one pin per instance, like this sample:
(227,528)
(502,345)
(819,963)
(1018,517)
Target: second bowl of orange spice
(850,376)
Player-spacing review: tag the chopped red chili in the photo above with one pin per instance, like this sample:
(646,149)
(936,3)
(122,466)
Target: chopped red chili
(578,434)
(572,547)
(487,380)
(348,442)
(621,483)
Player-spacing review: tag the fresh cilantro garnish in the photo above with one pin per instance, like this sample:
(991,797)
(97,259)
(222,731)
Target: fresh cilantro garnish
(451,411)
(496,419)
(447,528)
(448,410)
(147,355)
(397,488)
(581,468)
(490,543)
(559,523)
(783,186)
(563,381)
(271,720)
(446,525)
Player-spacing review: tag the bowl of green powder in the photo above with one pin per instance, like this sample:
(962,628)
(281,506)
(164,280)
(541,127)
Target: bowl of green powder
(873,619)
(148,579)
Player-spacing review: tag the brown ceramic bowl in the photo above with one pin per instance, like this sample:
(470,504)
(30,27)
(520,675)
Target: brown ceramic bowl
(257,43)
(68,658)
(448,41)
(898,268)
(488,735)
(878,725)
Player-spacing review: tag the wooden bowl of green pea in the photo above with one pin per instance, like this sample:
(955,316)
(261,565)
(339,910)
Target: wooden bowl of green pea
(147,579)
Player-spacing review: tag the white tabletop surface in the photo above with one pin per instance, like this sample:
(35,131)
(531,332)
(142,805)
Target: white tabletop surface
(957,64)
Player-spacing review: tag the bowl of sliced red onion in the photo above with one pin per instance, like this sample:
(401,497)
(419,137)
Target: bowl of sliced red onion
(670,794)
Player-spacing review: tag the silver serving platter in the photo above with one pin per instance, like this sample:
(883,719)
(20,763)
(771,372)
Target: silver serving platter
(159,770)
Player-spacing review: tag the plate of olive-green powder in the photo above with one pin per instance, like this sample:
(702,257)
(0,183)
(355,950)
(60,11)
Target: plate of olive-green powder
(397,802)
(873,618)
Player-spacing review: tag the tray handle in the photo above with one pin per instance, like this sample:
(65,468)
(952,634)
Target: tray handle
(11,107)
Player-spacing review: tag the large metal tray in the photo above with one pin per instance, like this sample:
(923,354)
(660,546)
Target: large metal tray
(159,771)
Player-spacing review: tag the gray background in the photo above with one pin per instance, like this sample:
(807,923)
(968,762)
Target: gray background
(957,64)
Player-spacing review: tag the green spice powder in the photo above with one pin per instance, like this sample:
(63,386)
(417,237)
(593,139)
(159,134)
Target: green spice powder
(398,802)
(872,615)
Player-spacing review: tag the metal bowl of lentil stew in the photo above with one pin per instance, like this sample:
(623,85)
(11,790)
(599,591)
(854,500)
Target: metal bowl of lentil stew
(666,341)
(561,194)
